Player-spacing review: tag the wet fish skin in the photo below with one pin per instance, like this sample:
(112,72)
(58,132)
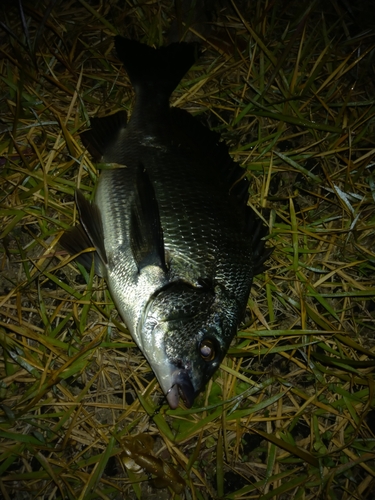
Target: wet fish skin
(174,238)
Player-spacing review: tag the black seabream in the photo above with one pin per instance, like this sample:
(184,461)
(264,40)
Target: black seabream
(174,237)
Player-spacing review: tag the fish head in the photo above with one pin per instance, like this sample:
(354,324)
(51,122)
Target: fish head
(185,333)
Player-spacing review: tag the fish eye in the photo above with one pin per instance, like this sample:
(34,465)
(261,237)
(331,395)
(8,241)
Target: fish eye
(207,350)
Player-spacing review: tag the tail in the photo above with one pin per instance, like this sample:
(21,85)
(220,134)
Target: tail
(156,70)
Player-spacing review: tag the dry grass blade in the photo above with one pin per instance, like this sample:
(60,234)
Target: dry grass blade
(290,414)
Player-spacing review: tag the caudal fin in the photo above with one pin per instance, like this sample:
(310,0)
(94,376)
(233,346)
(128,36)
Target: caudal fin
(159,70)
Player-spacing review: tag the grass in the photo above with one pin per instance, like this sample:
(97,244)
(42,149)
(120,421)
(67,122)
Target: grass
(290,413)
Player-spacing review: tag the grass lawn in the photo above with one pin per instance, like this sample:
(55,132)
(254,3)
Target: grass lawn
(290,414)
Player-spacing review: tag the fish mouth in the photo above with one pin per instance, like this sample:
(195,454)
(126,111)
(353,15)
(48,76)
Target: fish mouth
(181,386)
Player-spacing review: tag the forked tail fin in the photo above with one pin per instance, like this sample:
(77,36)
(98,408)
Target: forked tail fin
(156,70)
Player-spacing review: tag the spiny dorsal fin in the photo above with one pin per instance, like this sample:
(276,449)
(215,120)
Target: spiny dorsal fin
(205,145)
(146,234)
(257,231)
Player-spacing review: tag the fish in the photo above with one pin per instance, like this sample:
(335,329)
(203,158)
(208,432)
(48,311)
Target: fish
(173,234)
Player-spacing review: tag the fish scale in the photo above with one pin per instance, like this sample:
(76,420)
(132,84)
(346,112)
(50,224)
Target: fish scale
(174,237)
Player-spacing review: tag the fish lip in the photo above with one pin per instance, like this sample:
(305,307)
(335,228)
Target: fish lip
(172,397)
(181,386)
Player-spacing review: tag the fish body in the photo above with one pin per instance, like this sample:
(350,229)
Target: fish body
(174,238)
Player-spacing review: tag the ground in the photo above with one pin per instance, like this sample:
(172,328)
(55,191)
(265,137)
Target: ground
(290,414)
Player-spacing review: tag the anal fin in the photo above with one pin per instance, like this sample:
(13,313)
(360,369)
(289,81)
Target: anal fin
(103,138)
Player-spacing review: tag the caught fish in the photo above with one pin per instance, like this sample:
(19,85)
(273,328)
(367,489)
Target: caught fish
(174,237)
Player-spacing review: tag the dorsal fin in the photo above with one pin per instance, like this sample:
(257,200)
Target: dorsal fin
(206,146)
(257,231)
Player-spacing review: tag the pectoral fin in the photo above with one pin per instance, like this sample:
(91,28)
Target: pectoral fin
(146,233)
